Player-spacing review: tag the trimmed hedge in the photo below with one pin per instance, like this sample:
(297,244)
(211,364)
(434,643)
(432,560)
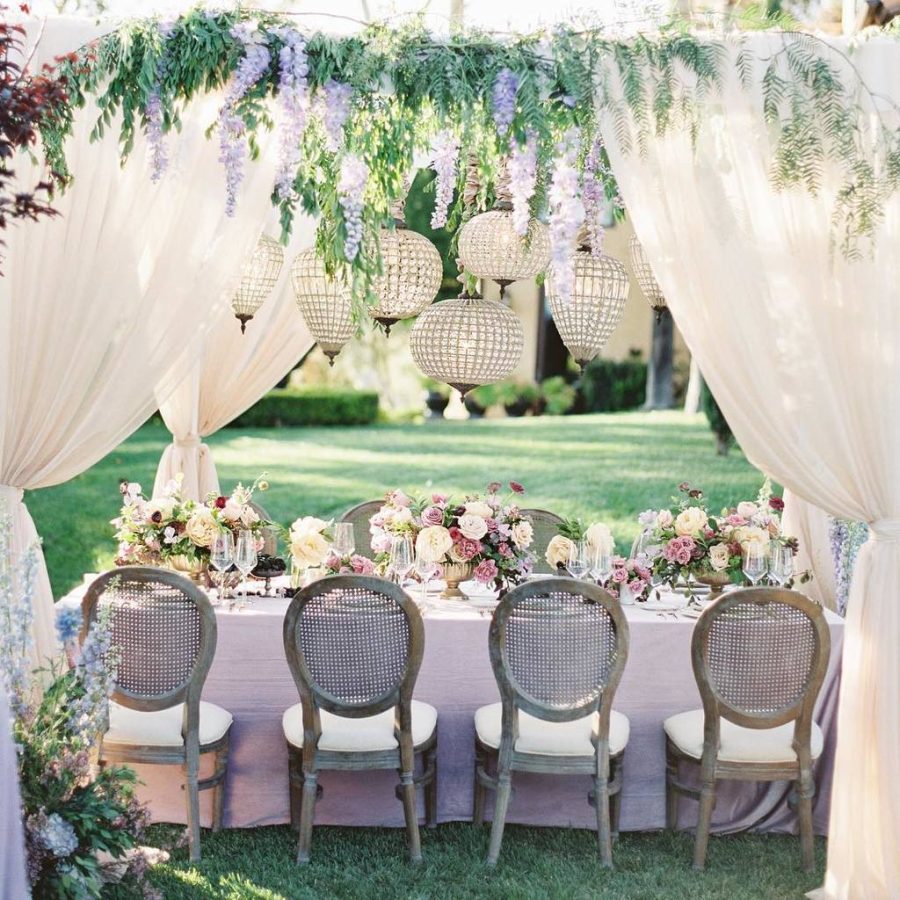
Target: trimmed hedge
(292,407)
(610,386)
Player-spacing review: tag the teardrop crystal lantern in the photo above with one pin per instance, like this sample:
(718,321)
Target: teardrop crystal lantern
(257,280)
(467,342)
(324,303)
(587,319)
(646,279)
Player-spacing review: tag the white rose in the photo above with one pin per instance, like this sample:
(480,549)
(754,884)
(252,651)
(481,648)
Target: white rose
(433,543)
(163,505)
(479,508)
(558,551)
(401,516)
(523,534)
(249,516)
(664,519)
(201,527)
(473,527)
(232,510)
(747,509)
(600,537)
(690,522)
(750,534)
(719,554)
(308,523)
(309,548)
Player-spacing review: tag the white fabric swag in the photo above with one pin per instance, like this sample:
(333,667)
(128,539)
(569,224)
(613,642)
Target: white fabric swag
(812,526)
(101,308)
(231,373)
(800,348)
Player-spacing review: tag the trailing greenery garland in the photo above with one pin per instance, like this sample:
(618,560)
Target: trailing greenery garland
(407,86)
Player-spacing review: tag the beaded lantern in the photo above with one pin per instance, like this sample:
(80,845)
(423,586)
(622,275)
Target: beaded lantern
(324,303)
(257,280)
(587,319)
(467,342)
(646,279)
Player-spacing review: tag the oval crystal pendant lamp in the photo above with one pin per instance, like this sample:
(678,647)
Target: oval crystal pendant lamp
(411,272)
(258,278)
(324,303)
(587,319)
(646,279)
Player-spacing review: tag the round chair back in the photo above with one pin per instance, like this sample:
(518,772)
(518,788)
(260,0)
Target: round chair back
(358,516)
(546,527)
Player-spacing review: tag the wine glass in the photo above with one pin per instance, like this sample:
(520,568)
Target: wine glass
(402,556)
(601,565)
(426,570)
(221,557)
(344,542)
(245,554)
(755,563)
(781,564)
(578,563)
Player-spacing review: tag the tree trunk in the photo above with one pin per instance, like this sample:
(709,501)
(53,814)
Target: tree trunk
(659,367)
(694,389)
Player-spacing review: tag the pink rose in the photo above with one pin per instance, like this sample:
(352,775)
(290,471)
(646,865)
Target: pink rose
(684,557)
(735,521)
(439,499)
(468,548)
(398,498)
(687,543)
(362,565)
(486,571)
(636,587)
(332,561)
(432,515)
(504,550)
(671,550)
(620,575)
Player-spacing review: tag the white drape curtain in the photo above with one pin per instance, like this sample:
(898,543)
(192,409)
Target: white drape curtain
(101,307)
(231,373)
(13,882)
(811,526)
(800,349)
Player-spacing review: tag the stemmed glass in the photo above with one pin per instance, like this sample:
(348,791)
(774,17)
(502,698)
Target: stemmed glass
(578,563)
(755,563)
(221,558)
(781,564)
(601,565)
(426,570)
(344,541)
(245,554)
(402,557)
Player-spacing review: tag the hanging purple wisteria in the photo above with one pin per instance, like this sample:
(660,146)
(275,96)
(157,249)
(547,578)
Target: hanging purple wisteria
(566,213)
(506,86)
(522,182)
(293,94)
(351,187)
(445,159)
(334,110)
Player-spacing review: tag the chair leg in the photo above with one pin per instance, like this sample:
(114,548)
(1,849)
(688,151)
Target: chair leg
(604,831)
(805,792)
(218,803)
(707,802)
(615,811)
(671,791)
(501,802)
(192,792)
(431,762)
(307,813)
(479,790)
(408,794)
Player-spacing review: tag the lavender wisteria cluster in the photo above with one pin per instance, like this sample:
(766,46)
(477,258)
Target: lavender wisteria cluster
(351,187)
(846,538)
(566,214)
(293,94)
(522,170)
(232,130)
(156,139)
(445,161)
(334,111)
(503,99)
(596,174)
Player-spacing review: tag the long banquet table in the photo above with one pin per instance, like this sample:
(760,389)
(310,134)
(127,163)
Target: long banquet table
(250,678)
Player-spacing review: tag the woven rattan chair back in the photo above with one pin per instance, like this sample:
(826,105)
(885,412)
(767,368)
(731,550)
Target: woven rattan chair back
(270,535)
(760,656)
(164,630)
(558,648)
(358,516)
(546,527)
(354,644)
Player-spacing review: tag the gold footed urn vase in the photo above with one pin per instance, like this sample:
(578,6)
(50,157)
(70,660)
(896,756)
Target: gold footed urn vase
(189,566)
(454,574)
(715,581)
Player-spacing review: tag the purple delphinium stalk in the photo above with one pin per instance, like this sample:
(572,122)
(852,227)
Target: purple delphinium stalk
(95,669)
(846,539)
(334,110)
(522,181)
(503,99)
(68,624)
(445,156)
(351,187)
(293,94)
(566,214)
(232,147)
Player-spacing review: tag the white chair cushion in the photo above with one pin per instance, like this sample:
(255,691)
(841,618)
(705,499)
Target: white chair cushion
(551,738)
(371,733)
(736,743)
(163,728)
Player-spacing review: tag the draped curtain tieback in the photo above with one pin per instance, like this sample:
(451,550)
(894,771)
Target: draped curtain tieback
(885,530)
(11,494)
(192,440)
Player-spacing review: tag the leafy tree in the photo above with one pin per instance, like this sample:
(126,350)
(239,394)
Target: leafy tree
(717,422)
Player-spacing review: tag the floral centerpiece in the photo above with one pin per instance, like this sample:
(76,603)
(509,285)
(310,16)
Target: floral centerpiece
(354,564)
(685,541)
(175,532)
(310,541)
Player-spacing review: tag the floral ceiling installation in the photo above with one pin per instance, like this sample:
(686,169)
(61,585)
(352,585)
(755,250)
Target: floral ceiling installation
(354,111)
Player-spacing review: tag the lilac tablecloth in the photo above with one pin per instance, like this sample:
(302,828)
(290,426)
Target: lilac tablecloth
(250,678)
(12,849)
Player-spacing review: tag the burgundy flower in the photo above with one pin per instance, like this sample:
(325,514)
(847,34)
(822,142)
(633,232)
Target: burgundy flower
(493,487)
(776,503)
(156,517)
(734,548)
(455,533)
(220,502)
(516,488)
(684,486)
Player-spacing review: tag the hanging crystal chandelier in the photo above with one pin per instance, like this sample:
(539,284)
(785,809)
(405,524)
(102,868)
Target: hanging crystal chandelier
(324,303)
(646,279)
(257,280)
(411,277)
(467,342)
(587,319)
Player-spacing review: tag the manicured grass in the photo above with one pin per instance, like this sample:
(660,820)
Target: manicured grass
(599,467)
(534,863)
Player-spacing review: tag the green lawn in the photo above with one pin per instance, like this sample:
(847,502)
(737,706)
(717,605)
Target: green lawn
(599,467)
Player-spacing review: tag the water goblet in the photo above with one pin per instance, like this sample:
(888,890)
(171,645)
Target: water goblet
(601,565)
(402,557)
(425,569)
(781,564)
(221,558)
(578,564)
(755,563)
(344,542)
(245,554)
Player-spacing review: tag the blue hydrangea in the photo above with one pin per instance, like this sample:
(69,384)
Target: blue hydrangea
(59,836)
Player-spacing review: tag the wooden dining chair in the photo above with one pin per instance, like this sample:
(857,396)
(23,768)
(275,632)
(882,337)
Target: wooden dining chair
(358,516)
(354,645)
(759,657)
(558,648)
(164,632)
(546,527)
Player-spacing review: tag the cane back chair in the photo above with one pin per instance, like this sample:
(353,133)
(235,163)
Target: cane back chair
(163,629)
(270,534)
(354,645)
(546,527)
(759,657)
(358,516)
(558,648)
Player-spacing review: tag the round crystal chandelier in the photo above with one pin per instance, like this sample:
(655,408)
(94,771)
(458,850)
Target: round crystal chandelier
(646,279)
(587,319)
(260,273)
(324,303)
(467,342)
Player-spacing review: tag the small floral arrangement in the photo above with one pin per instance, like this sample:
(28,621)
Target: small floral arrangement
(75,813)
(310,540)
(632,574)
(686,540)
(571,532)
(170,529)
(348,565)
(490,532)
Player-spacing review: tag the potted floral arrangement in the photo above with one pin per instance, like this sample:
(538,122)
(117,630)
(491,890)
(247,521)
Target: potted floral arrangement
(176,533)
(310,541)
(354,564)
(684,541)
(485,538)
